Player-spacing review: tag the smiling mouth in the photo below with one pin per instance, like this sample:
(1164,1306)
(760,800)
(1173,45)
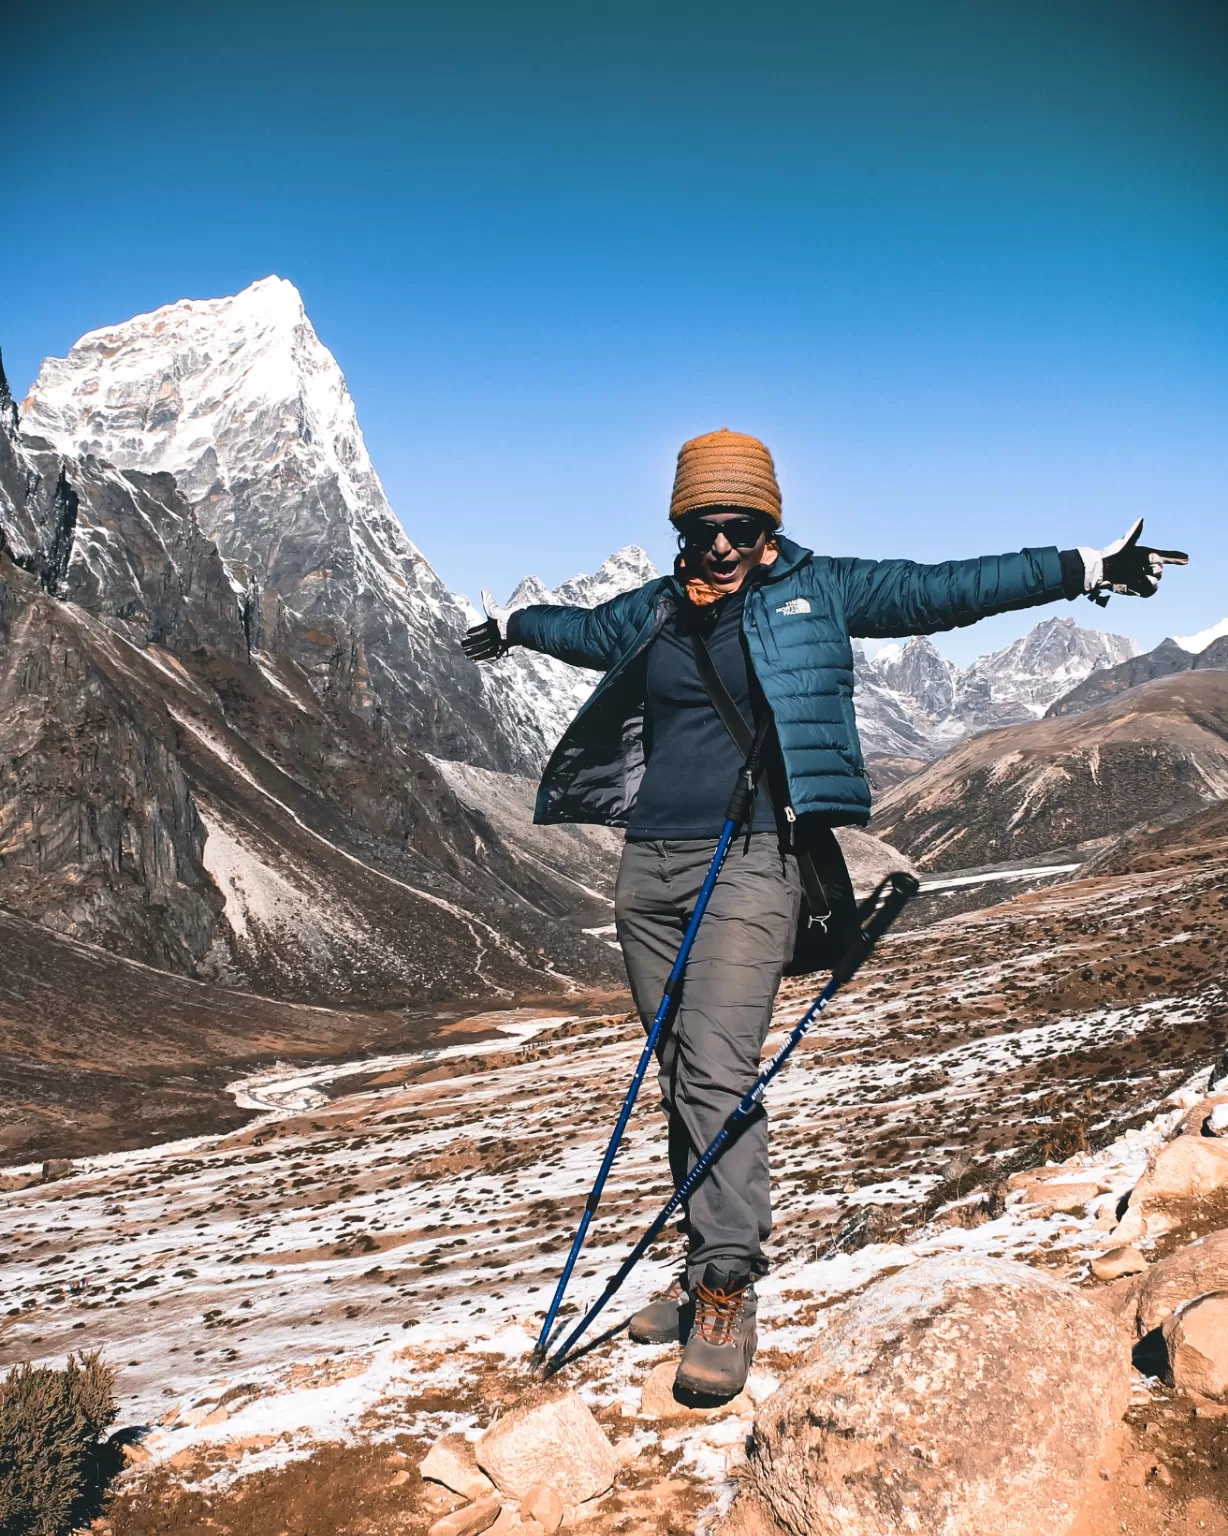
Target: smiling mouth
(724,570)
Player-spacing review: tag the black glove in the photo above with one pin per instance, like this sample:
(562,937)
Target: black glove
(484,642)
(488,641)
(1127,567)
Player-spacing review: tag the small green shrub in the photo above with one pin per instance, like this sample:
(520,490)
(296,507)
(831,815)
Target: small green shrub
(50,1422)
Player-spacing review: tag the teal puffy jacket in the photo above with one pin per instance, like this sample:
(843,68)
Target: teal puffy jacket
(798,619)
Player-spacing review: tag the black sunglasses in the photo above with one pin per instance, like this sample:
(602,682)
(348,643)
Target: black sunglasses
(740,532)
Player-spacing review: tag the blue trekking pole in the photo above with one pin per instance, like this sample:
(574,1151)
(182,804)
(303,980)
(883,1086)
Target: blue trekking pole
(736,813)
(903,889)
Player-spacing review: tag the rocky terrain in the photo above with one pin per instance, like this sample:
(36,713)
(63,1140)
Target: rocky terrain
(1153,754)
(306,1304)
(1167,659)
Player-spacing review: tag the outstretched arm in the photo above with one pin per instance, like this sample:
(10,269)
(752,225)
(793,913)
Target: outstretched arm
(585,637)
(901,597)
(904,597)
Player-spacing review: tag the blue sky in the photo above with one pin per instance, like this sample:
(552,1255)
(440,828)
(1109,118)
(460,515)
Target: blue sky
(961,265)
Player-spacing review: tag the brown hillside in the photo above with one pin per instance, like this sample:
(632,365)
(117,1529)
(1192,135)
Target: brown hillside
(1158,753)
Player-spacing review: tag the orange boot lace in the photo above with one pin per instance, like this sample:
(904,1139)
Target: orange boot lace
(717,1312)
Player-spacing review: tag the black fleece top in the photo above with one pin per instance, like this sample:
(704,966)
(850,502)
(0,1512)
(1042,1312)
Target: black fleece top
(692,762)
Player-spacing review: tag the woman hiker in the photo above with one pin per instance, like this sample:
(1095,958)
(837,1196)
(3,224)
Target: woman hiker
(649,752)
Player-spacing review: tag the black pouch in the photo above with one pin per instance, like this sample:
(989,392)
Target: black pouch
(829,926)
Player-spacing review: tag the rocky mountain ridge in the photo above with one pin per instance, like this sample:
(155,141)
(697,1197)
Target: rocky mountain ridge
(1054,786)
(913,702)
(240,400)
(1166,660)
(181,796)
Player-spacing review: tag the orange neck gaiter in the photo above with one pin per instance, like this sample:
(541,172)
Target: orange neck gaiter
(701,592)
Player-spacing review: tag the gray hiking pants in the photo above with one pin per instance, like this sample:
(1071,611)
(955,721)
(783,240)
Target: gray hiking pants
(709,1056)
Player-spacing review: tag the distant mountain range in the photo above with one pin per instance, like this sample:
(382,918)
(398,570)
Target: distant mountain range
(913,702)
(238,738)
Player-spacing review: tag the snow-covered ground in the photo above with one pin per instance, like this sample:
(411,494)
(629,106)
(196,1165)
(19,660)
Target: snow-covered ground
(370,1257)
(139,1222)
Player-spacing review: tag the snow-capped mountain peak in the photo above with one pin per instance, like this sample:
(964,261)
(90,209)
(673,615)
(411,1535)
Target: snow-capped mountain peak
(240,400)
(626,569)
(1205,637)
(912,701)
(547,694)
(215,391)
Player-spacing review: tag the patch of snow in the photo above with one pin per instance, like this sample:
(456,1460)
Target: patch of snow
(1205,637)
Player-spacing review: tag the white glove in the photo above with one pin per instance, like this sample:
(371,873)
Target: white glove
(496,612)
(1126,566)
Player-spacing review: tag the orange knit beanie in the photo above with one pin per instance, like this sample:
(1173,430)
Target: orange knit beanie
(725,469)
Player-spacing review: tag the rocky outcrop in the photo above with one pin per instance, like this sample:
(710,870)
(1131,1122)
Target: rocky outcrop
(1195,1270)
(450,1461)
(1188,1168)
(99,835)
(178,794)
(1183,1174)
(954,1398)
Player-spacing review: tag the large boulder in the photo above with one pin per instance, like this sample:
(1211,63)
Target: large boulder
(1185,1169)
(1196,1339)
(1205,1118)
(869,859)
(548,1438)
(1177,1180)
(1116,1262)
(1053,1198)
(958,1397)
(1191,1271)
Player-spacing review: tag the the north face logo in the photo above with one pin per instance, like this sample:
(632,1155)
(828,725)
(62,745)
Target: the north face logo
(794,605)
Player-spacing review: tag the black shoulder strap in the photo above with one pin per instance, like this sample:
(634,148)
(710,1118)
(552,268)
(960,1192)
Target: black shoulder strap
(731,717)
(722,699)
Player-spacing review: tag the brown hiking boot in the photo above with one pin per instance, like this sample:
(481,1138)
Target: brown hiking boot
(667,1320)
(717,1357)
